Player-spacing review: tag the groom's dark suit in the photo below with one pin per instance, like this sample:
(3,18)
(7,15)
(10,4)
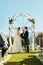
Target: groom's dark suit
(26,34)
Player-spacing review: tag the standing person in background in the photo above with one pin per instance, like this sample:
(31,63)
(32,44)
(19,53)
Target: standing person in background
(3,44)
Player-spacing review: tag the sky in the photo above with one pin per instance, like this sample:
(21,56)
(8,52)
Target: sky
(9,8)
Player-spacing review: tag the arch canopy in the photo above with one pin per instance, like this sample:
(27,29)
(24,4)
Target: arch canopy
(22,14)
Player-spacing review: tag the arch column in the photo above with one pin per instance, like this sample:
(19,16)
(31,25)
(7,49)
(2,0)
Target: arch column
(33,36)
(10,48)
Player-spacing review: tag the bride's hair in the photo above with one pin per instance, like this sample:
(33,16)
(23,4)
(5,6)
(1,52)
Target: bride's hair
(18,28)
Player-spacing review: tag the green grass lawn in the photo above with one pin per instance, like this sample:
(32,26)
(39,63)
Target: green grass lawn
(23,59)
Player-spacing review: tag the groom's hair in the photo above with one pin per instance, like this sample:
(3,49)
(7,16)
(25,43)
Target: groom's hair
(26,27)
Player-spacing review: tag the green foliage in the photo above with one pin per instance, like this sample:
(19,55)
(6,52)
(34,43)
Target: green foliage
(10,21)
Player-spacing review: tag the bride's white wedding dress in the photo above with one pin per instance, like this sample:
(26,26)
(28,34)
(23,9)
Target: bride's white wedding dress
(17,47)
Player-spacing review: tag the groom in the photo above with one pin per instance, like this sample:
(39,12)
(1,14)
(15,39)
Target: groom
(26,34)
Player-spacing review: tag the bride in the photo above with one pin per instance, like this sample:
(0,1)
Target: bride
(17,47)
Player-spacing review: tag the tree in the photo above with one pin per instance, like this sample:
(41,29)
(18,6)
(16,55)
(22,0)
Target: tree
(39,39)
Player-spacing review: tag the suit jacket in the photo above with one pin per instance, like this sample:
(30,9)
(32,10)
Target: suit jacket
(26,34)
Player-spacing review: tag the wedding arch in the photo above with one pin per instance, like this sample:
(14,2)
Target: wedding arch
(32,28)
